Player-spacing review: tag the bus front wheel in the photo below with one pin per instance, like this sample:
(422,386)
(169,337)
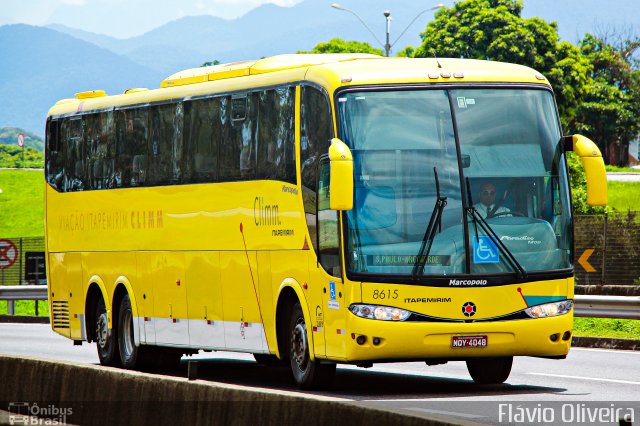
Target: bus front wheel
(106,339)
(490,371)
(307,373)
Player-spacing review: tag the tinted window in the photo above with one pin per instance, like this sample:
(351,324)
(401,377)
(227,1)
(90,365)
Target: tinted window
(316,132)
(276,147)
(223,138)
(54,155)
(203,133)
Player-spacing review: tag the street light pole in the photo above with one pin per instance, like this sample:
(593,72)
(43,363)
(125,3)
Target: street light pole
(436,7)
(388,45)
(339,7)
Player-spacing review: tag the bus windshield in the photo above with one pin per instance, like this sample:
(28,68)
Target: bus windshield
(508,169)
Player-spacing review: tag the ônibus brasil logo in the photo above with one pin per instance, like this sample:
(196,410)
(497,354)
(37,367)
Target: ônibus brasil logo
(469,309)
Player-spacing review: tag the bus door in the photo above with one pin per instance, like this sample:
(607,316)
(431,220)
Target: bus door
(328,274)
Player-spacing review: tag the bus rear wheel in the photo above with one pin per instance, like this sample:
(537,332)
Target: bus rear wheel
(490,371)
(141,357)
(106,339)
(307,373)
(130,354)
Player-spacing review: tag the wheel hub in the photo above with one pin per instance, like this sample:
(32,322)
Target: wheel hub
(299,345)
(102,330)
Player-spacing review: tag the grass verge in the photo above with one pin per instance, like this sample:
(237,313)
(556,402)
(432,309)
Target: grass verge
(21,203)
(607,327)
(611,168)
(26,307)
(623,196)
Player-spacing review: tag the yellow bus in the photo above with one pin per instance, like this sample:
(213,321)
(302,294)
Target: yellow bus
(316,210)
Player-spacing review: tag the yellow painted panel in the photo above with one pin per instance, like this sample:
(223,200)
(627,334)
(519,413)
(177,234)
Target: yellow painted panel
(293,265)
(266,298)
(239,287)
(163,274)
(178,218)
(204,289)
(67,297)
(447,302)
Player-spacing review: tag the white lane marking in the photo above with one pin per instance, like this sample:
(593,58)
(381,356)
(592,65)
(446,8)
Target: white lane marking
(446,413)
(625,382)
(611,351)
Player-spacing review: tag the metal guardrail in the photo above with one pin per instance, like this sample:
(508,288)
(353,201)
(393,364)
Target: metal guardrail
(627,307)
(585,306)
(23,292)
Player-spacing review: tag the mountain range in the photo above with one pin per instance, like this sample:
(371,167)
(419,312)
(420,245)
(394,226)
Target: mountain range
(40,65)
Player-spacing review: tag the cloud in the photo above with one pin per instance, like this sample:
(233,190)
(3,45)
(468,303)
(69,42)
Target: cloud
(73,2)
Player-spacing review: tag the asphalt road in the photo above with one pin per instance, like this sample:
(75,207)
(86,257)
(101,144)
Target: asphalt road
(589,382)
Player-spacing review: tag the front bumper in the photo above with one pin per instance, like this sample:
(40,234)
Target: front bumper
(425,340)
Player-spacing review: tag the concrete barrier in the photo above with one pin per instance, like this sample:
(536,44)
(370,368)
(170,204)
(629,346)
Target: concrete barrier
(94,395)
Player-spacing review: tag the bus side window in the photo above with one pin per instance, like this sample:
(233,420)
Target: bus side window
(54,163)
(231,145)
(276,150)
(203,129)
(316,131)
(136,137)
(74,155)
(328,229)
(123,158)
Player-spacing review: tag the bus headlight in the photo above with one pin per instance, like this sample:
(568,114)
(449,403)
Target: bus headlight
(552,309)
(384,313)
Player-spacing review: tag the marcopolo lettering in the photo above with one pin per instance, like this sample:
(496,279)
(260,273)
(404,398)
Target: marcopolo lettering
(467,282)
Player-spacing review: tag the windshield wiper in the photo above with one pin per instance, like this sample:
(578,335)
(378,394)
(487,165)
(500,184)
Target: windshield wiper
(484,225)
(430,233)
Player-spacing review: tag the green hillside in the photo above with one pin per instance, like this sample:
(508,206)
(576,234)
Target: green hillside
(9,136)
(11,157)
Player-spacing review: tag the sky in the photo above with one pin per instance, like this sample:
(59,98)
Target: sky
(121,18)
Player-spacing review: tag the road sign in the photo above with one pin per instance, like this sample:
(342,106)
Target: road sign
(21,140)
(584,260)
(8,254)
(35,267)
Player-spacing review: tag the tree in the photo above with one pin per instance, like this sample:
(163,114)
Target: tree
(610,113)
(338,45)
(494,30)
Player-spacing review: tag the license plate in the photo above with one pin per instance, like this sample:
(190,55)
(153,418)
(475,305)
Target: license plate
(469,342)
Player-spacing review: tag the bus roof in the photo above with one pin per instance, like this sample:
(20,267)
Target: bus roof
(329,70)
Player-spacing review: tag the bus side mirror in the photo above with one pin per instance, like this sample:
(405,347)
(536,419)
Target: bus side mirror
(593,165)
(341,181)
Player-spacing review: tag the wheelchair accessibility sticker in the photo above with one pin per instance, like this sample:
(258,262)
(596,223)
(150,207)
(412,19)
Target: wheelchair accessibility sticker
(485,250)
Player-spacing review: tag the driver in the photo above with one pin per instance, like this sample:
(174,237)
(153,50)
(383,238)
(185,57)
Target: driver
(487,206)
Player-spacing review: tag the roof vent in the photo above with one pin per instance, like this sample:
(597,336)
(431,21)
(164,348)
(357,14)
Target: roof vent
(135,90)
(90,94)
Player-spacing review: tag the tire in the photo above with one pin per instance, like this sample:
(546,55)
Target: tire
(131,355)
(141,357)
(106,339)
(307,374)
(490,371)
